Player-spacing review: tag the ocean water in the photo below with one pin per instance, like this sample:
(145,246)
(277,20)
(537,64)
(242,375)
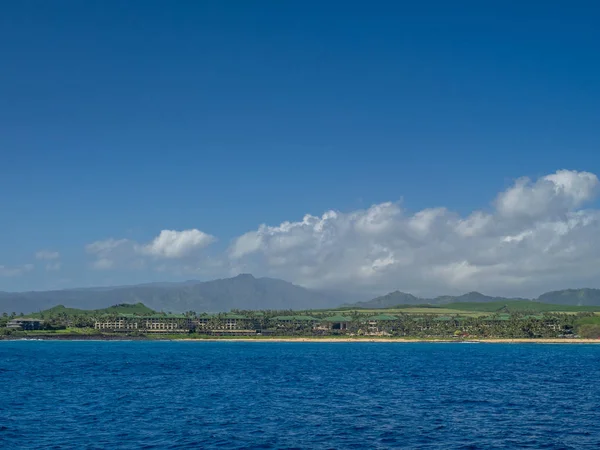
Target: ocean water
(179,395)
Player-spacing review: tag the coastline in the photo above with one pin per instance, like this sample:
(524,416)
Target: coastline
(408,341)
(369,339)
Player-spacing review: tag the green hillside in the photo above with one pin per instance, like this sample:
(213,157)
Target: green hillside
(124,308)
(580,297)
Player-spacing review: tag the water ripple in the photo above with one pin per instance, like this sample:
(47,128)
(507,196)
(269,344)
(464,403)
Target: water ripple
(176,395)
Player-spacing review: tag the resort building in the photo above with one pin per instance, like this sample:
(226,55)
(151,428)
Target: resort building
(121,323)
(380,323)
(172,323)
(295,321)
(235,322)
(24,324)
(203,322)
(550,322)
(228,321)
(336,323)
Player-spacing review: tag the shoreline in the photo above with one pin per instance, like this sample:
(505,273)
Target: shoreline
(408,341)
(307,339)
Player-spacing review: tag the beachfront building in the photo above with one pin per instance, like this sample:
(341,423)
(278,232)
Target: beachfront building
(171,323)
(24,324)
(203,322)
(235,322)
(335,323)
(124,322)
(380,323)
(294,322)
(230,322)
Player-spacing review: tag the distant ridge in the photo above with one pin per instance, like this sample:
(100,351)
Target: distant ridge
(241,292)
(248,292)
(577,297)
(572,297)
(473,297)
(391,299)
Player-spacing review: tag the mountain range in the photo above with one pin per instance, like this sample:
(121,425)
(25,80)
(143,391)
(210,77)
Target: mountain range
(247,292)
(241,292)
(574,297)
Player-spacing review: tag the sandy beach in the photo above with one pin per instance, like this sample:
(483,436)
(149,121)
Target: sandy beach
(346,339)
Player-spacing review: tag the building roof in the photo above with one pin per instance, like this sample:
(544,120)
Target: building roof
(337,319)
(221,316)
(167,316)
(152,316)
(24,319)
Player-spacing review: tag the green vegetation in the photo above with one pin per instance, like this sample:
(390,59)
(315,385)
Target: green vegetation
(62,318)
(590,331)
(588,326)
(572,296)
(589,320)
(124,308)
(515,319)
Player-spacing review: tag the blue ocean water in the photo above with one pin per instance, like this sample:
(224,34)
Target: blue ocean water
(172,395)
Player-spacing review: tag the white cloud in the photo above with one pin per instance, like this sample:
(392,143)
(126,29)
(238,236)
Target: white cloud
(169,244)
(177,244)
(110,253)
(15,271)
(245,244)
(553,194)
(47,255)
(536,237)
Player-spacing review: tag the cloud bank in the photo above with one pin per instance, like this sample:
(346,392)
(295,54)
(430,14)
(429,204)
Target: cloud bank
(536,235)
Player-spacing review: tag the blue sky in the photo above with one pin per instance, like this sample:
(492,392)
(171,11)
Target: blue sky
(122,119)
